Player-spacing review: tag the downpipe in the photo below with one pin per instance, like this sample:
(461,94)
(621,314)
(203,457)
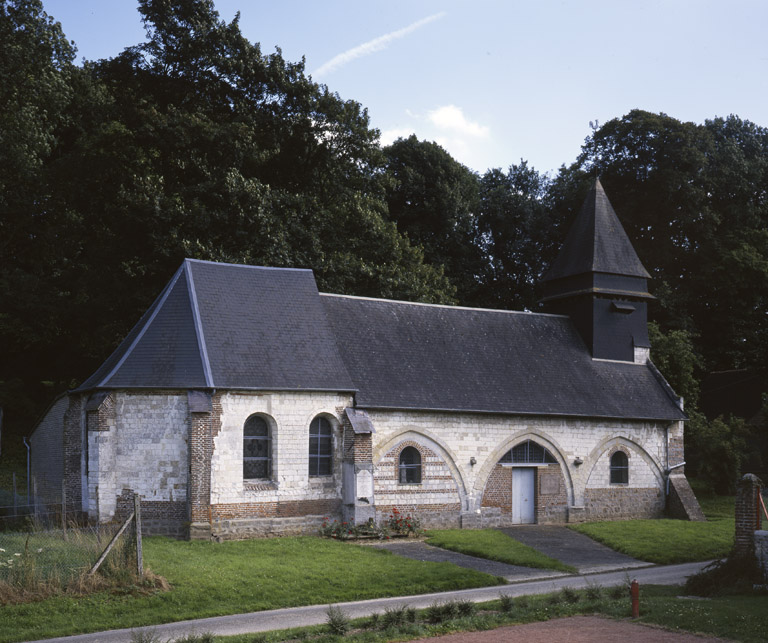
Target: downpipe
(670,470)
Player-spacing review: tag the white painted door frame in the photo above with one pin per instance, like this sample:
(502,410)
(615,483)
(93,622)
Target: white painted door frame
(523,495)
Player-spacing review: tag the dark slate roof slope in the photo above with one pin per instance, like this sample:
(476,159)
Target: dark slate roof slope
(265,328)
(417,356)
(162,348)
(596,242)
(221,325)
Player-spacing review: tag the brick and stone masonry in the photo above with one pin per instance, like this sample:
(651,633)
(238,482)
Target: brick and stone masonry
(748,517)
(198,455)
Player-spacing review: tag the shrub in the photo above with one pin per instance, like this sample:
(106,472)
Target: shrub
(506,603)
(395,616)
(593,591)
(569,595)
(733,575)
(402,525)
(338,621)
(465,608)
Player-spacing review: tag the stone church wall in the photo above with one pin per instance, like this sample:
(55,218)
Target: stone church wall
(137,443)
(291,501)
(470,446)
(435,500)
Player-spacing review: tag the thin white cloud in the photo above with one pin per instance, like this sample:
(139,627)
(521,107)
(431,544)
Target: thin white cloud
(452,119)
(389,136)
(372,46)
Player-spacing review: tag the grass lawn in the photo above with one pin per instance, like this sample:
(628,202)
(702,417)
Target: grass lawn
(670,541)
(740,618)
(493,545)
(211,579)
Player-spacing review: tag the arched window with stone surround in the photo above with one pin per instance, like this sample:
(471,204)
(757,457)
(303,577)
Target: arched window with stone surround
(257,449)
(410,466)
(619,468)
(320,447)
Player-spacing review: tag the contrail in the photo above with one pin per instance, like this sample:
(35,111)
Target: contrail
(377,44)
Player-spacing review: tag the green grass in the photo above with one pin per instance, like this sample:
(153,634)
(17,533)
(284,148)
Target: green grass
(739,618)
(671,541)
(493,545)
(212,579)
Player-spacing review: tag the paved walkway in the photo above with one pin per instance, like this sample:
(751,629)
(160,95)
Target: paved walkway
(316,614)
(422,551)
(572,548)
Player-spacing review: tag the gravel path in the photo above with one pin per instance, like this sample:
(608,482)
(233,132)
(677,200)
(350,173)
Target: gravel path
(576,629)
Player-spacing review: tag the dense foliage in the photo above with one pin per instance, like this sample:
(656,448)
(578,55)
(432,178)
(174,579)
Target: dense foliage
(195,143)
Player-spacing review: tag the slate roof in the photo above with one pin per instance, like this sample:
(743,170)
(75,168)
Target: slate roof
(596,242)
(221,325)
(243,327)
(418,356)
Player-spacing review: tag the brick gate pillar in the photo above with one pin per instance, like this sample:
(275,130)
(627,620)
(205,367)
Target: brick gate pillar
(204,424)
(747,515)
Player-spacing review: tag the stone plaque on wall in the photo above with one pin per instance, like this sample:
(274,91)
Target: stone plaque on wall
(550,485)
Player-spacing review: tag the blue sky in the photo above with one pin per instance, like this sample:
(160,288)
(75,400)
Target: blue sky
(495,81)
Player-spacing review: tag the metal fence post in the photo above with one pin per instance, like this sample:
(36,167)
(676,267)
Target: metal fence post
(64,509)
(14,494)
(137,518)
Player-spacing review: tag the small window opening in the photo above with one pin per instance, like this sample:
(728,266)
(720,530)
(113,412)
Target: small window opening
(320,447)
(410,466)
(257,449)
(619,468)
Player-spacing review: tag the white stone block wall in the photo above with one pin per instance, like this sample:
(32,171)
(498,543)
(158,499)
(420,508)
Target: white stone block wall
(144,450)
(289,416)
(460,437)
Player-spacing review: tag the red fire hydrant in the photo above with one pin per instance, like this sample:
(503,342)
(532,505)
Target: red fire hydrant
(634,592)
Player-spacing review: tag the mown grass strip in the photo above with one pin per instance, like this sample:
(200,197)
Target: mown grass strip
(494,545)
(667,542)
(739,618)
(213,579)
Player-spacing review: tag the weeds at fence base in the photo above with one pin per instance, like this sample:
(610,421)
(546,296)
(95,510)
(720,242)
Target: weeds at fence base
(41,563)
(85,584)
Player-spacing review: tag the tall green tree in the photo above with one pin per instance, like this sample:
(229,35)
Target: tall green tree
(433,199)
(518,234)
(193,143)
(36,91)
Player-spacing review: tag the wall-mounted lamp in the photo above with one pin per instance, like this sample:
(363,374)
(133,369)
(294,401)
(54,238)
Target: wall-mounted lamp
(577,461)
(472,461)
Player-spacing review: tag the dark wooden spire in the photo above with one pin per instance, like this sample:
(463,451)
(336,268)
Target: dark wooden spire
(597,242)
(599,281)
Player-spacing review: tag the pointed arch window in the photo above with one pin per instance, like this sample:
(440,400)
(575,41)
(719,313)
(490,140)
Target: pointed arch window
(257,449)
(320,447)
(410,466)
(619,468)
(528,452)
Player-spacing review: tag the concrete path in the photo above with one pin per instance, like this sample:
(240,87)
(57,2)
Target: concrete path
(572,548)
(316,614)
(422,551)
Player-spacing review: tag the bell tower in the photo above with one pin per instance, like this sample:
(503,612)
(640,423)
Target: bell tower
(599,282)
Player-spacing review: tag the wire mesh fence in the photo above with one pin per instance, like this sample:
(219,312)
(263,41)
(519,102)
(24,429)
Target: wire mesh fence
(42,540)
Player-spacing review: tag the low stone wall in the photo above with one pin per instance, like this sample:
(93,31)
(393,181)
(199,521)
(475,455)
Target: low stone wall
(242,528)
(622,503)
(447,516)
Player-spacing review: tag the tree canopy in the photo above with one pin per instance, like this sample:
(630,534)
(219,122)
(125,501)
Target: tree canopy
(195,143)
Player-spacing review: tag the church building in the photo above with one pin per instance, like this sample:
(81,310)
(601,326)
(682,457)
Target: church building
(246,403)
